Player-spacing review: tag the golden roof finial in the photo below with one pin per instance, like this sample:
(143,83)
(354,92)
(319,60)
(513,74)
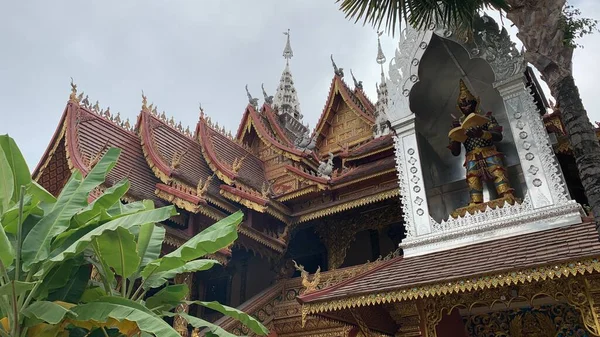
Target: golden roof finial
(150,107)
(144,102)
(73,96)
(201,111)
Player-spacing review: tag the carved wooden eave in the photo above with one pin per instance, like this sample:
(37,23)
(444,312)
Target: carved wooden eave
(369,149)
(256,202)
(336,185)
(273,243)
(298,193)
(329,208)
(374,169)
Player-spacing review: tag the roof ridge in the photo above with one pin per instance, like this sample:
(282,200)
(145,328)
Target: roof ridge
(170,123)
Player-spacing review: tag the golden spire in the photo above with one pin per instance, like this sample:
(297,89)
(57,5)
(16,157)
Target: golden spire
(144,102)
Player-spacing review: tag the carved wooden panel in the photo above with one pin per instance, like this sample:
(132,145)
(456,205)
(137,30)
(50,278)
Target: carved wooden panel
(346,128)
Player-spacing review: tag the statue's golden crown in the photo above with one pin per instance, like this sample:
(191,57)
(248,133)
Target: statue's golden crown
(464,93)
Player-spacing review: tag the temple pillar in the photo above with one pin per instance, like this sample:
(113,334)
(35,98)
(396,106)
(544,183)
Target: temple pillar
(544,180)
(410,178)
(180,324)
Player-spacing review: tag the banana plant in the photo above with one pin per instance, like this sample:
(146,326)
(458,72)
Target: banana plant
(49,248)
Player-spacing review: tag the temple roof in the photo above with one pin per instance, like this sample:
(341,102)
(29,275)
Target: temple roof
(534,255)
(228,159)
(89,135)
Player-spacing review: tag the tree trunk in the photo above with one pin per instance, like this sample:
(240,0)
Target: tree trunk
(584,142)
(540,25)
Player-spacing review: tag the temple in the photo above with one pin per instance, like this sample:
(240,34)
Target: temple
(450,206)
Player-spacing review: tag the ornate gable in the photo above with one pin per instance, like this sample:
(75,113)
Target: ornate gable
(345,122)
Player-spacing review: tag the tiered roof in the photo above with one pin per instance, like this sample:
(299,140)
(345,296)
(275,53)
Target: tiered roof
(212,173)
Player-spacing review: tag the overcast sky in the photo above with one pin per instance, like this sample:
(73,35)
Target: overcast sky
(185,52)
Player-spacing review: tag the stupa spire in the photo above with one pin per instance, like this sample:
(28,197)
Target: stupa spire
(287,51)
(381,126)
(286,99)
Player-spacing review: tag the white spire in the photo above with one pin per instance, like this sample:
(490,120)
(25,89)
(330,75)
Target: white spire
(286,98)
(381,127)
(287,51)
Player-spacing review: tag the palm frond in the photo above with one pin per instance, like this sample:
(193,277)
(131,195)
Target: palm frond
(418,13)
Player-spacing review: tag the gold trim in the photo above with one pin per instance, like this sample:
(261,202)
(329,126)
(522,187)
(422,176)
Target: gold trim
(262,138)
(374,175)
(226,206)
(52,151)
(547,272)
(298,193)
(213,167)
(351,158)
(249,204)
(349,205)
(188,206)
(260,239)
(157,172)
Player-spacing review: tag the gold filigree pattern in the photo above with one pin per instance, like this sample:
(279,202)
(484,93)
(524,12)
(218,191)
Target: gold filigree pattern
(349,205)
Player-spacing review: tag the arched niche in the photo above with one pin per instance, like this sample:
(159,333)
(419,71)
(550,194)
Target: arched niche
(433,101)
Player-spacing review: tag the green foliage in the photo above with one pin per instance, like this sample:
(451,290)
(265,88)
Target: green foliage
(49,246)
(419,13)
(575,27)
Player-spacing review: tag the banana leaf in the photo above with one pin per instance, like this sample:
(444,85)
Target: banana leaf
(122,309)
(36,246)
(218,236)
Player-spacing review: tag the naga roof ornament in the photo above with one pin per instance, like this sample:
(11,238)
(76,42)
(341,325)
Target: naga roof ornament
(336,70)
(253,101)
(357,84)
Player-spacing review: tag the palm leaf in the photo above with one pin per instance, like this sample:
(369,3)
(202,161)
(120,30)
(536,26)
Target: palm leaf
(418,13)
